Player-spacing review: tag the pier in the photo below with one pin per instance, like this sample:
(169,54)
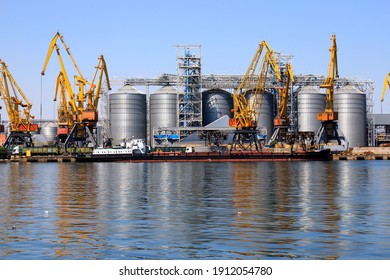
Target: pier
(50,158)
(365,153)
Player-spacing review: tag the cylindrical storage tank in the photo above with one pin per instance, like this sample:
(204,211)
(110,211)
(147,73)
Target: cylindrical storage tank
(266,121)
(350,103)
(216,103)
(163,108)
(99,136)
(127,114)
(7,128)
(310,102)
(49,131)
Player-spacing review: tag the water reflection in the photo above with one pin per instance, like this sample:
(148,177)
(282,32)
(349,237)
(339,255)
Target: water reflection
(257,195)
(288,199)
(358,199)
(76,209)
(306,210)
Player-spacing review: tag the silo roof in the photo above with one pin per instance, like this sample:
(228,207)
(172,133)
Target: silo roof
(128,89)
(50,124)
(309,89)
(347,89)
(167,89)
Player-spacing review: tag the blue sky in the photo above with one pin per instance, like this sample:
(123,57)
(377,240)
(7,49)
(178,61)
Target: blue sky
(138,38)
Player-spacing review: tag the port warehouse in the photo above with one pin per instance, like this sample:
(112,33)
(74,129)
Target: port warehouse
(131,113)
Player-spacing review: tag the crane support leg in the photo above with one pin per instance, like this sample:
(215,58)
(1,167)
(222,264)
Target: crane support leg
(75,139)
(245,140)
(330,136)
(90,139)
(19,138)
(275,137)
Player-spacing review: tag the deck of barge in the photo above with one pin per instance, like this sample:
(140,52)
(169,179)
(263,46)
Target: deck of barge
(362,153)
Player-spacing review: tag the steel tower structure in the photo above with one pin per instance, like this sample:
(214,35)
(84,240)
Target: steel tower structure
(104,120)
(189,82)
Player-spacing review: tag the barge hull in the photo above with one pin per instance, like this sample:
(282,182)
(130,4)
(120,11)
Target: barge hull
(323,155)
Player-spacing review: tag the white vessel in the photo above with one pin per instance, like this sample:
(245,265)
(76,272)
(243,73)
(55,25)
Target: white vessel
(135,147)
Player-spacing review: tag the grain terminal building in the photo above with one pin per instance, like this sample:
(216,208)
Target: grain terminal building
(158,106)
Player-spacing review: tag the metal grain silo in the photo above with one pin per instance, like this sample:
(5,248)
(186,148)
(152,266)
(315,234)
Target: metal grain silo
(216,103)
(127,114)
(310,102)
(163,108)
(49,131)
(350,103)
(266,120)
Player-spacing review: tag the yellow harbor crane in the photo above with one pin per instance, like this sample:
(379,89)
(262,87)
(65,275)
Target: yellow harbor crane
(333,74)
(64,110)
(383,139)
(76,120)
(75,105)
(282,107)
(18,109)
(329,135)
(90,113)
(281,122)
(385,85)
(248,98)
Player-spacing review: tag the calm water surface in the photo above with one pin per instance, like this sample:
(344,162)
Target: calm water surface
(281,210)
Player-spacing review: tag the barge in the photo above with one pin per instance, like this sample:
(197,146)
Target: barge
(233,156)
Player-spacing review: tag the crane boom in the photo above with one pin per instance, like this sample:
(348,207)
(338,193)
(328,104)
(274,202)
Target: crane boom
(64,110)
(282,108)
(246,113)
(53,44)
(385,85)
(281,122)
(103,69)
(328,84)
(14,98)
(90,113)
(93,93)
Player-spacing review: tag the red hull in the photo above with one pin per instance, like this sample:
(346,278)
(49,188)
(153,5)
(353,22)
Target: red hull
(323,155)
